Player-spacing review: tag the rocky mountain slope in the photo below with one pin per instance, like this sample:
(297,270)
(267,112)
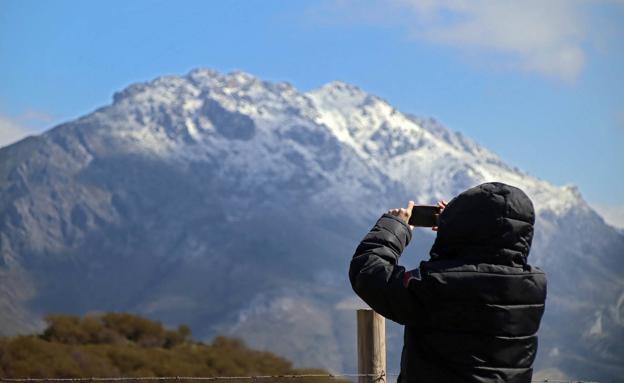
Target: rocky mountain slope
(234,205)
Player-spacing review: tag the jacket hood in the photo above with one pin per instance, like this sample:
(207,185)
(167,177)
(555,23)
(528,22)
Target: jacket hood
(489,223)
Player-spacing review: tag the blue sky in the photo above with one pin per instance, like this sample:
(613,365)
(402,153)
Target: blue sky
(541,83)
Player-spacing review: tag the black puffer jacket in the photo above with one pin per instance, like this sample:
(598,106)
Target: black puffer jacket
(471,313)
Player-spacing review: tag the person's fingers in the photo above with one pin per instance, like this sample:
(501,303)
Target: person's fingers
(408,210)
(441,205)
(403,213)
(410,205)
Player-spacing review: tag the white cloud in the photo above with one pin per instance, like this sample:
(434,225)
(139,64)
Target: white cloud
(613,215)
(536,35)
(11,131)
(548,37)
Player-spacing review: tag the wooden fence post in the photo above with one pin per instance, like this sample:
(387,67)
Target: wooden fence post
(371,346)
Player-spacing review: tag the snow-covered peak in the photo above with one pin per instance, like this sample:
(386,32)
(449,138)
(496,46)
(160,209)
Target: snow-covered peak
(341,91)
(421,153)
(175,116)
(355,116)
(373,126)
(209,77)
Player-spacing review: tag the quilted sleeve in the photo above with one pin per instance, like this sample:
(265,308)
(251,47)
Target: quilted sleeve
(376,276)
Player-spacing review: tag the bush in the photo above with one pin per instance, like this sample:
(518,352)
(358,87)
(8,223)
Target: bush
(120,344)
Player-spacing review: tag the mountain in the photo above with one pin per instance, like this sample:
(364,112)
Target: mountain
(234,205)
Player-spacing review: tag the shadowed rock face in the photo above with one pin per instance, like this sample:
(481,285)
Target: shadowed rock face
(231,125)
(234,205)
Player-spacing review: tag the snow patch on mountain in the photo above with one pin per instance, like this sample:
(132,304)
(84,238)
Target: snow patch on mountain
(421,152)
(418,152)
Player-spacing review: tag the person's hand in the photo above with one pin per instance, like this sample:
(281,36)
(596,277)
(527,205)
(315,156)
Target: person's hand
(404,213)
(442,205)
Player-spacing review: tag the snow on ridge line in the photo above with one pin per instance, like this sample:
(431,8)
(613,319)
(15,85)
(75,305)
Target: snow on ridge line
(336,111)
(352,115)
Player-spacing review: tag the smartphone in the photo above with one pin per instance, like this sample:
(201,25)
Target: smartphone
(424,215)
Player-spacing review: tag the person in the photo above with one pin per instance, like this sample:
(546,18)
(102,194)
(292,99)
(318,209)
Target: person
(472,311)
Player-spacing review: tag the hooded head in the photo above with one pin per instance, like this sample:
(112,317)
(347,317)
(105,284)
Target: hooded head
(490,223)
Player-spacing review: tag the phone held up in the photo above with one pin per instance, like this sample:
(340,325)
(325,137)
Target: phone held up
(424,216)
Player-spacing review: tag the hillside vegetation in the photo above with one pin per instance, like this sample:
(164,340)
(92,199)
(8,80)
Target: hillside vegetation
(119,344)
